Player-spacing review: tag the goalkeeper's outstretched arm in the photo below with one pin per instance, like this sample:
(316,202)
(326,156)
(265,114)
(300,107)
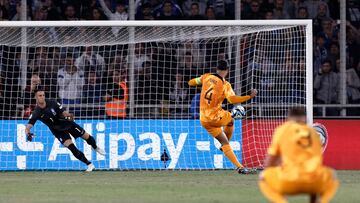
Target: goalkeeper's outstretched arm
(234,99)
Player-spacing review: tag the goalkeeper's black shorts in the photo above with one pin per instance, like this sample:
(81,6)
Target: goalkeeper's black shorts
(75,131)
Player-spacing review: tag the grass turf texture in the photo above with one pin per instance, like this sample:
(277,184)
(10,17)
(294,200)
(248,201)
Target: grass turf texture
(148,186)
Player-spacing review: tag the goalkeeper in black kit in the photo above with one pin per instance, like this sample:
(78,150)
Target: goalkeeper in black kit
(61,124)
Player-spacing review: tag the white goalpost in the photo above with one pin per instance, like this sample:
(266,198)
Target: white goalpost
(129,89)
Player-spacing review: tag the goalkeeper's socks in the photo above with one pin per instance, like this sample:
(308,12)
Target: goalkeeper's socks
(229,153)
(91,141)
(78,154)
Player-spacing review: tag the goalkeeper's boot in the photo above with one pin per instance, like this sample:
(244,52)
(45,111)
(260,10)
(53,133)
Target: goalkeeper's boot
(90,168)
(100,151)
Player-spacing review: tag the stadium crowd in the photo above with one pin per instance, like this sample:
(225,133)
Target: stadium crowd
(93,76)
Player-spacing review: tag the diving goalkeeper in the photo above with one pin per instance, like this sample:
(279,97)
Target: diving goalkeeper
(212,117)
(61,124)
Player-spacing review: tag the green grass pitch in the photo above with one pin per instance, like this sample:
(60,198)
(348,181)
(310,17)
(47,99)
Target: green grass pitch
(148,186)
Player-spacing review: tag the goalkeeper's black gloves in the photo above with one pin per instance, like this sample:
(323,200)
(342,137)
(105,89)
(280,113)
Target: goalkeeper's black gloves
(29,137)
(69,118)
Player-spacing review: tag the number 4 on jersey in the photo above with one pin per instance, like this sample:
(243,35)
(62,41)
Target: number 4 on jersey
(208,95)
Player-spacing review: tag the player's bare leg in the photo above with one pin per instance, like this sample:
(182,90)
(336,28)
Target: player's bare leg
(270,193)
(91,141)
(229,129)
(78,154)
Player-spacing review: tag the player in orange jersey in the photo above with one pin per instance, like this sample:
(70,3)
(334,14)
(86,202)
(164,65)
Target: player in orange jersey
(294,163)
(212,117)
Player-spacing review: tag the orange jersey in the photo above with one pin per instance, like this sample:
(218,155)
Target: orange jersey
(213,92)
(299,147)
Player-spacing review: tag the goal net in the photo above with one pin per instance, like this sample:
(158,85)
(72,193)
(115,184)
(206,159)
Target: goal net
(126,84)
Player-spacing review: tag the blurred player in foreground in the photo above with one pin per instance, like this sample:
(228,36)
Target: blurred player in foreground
(61,124)
(212,117)
(294,163)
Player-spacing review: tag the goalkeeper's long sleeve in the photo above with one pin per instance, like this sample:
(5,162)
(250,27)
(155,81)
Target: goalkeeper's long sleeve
(238,99)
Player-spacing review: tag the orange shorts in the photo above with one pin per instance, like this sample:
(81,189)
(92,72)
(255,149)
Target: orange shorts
(214,127)
(319,184)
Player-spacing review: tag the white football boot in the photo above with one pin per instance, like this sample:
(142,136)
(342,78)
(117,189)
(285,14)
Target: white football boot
(100,151)
(90,168)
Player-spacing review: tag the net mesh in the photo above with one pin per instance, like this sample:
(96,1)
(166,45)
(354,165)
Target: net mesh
(130,92)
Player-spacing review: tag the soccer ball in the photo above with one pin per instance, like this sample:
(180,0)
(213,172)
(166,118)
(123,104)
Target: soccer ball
(321,130)
(238,112)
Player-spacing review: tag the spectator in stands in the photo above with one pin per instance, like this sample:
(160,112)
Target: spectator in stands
(47,6)
(320,53)
(302,13)
(41,14)
(117,95)
(269,15)
(322,12)
(18,11)
(70,13)
(334,52)
(70,82)
(29,100)
(97,14)
(195,12)
(280,11)
(312,7)
(119,14)
(178,94)
(353,91)
(255,12)
(145,12)
(194,49)
(327,86)
(90,59)
(210,13)
(168,11)
(329,32)
(187,6)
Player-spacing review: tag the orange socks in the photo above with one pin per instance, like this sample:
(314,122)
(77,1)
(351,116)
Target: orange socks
(229,153)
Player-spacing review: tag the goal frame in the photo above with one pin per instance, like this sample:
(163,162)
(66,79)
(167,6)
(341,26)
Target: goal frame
(307,23)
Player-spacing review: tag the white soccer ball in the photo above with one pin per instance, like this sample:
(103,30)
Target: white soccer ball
(321,130)
(238,112)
